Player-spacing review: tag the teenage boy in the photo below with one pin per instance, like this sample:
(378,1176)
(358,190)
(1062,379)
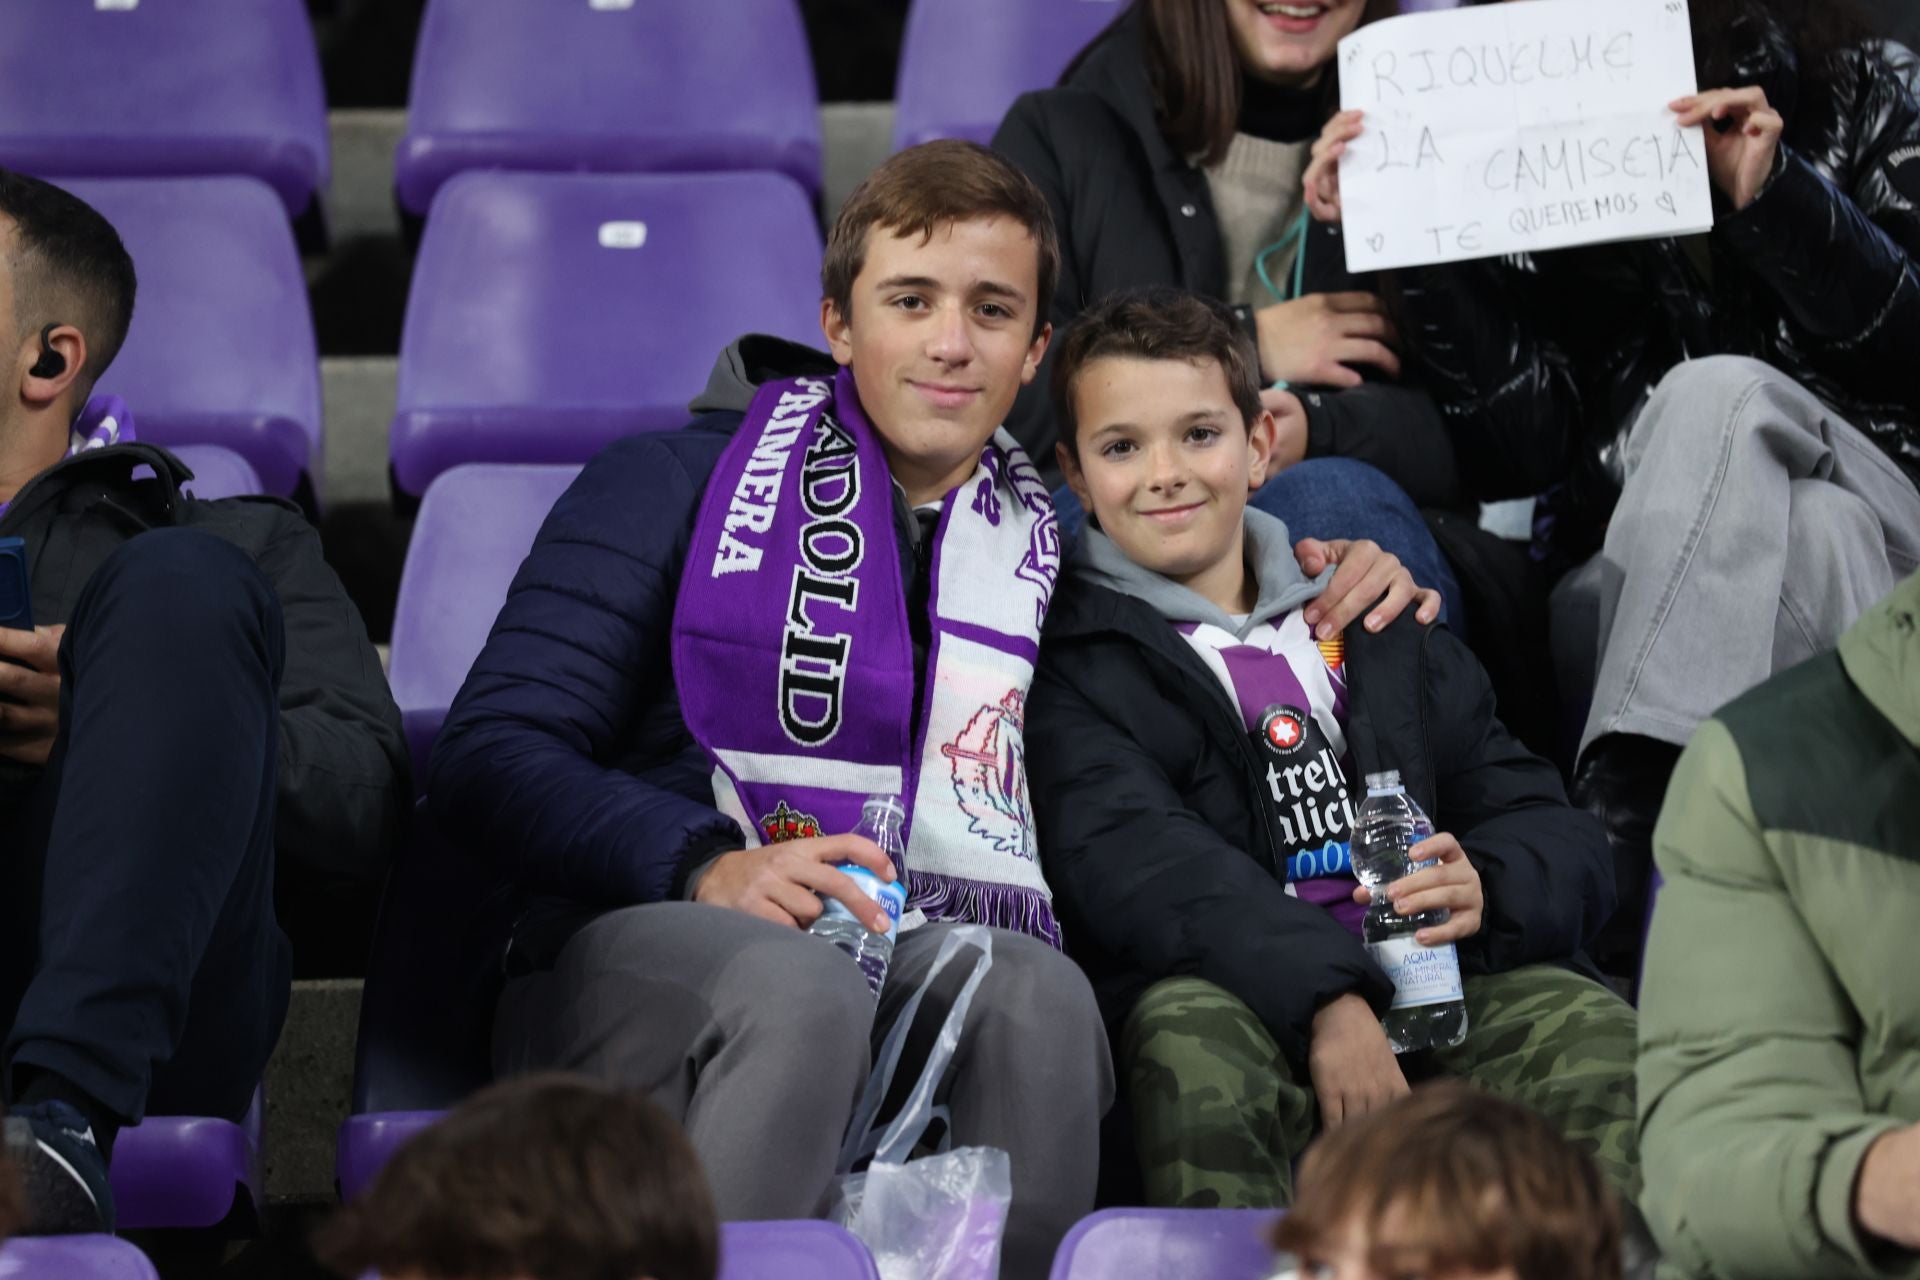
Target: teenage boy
(724,639)
(1194,754)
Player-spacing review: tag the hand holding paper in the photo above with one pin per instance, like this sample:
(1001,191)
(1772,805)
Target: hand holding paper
(1521,127)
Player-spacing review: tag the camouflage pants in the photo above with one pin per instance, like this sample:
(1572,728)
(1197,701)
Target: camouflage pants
(1220,1115)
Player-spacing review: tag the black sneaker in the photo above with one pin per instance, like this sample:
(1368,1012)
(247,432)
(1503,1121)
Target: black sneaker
(66,1176)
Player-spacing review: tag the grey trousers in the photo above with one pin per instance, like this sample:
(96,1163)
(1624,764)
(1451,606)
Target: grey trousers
(1756,526)
(758,1038)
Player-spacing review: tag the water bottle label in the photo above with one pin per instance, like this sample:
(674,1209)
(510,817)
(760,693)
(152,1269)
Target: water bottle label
(890,894)
(1420,975)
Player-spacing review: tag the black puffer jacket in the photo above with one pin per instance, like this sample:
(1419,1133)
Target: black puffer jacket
(1131,214)
(1819,276)
(1162,861)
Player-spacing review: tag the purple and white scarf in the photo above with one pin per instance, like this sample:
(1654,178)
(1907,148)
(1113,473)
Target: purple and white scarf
(105,421)
(794,660)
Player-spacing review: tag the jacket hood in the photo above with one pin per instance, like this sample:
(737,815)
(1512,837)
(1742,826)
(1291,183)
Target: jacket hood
(1282,586)
(752,360)
(1882,656)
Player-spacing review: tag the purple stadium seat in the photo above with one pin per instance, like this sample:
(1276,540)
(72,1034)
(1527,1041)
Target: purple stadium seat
(73,1258)
(368,1142)
(608,86)
(1121,1244)
(475,527)
(121,88)
(217,472)
(553,313)
(792,1251)
(222,348)
(963,62)
(187,1171)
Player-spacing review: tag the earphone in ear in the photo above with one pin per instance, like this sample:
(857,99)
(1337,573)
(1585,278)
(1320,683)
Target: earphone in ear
(51,363)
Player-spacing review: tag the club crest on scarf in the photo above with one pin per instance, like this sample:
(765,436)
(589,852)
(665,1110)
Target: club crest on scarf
(785,824)
(990,775)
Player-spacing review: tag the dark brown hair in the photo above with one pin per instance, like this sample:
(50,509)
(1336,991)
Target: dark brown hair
(1154,324)
(926,187)
(13,1209)
(69,267)
(546,1175)
(1467,1181)
(1195,70)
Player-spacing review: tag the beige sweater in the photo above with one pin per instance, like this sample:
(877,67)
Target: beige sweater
(1257,193)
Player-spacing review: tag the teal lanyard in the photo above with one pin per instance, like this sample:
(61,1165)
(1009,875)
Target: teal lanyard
(1296,239)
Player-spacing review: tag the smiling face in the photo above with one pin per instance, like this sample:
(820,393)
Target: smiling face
(1290,42)
(1165,465)
(941,337)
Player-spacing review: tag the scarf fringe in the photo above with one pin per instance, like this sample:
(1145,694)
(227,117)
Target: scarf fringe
(1001,906)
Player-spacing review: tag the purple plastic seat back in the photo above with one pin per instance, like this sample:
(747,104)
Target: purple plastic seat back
(475,527)
(73,1258)
(609,86)
(792,1251)
(367,1142)
(963,62)
(1427,6)
(187,1171)
(158,88)
(217,472)
(1120,1244)
(222,349)
(551,314)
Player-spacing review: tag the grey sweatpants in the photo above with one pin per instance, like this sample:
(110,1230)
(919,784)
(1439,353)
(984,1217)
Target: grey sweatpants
(758,1038)
(1756,526)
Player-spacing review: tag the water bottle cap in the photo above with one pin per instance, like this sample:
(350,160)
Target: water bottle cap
(1387,781)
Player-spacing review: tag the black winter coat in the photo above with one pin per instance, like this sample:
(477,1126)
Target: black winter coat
(344,794)
(1132,214)
(1819,276)
(1147,793)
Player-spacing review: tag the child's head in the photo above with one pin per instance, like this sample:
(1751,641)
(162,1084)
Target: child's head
(1451,1184)
(937,282)
(544,1177)
(1162,435)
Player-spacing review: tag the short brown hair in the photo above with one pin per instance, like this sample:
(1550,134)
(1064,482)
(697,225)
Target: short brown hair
(1483,1183)
(1154,324)
(925,187)
(545,1175)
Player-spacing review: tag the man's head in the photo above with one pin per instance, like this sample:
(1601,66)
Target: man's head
(1162,433)
(936,287)
(63,274)
(540,1176)
(1453,1184)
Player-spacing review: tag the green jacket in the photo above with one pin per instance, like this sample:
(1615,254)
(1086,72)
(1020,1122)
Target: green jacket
(1780,1020)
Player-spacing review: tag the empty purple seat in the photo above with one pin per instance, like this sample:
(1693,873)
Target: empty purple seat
(120,88)
(222,348)
(608,86)
(1121,1244)
(217,472)
(553,313)
(475,526)
(73,1258)
(792,1251)
(188,1171)
(963,62)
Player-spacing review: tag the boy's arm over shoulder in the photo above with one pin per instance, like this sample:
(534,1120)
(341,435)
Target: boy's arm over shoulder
(1155,886)
(1752,1123)
(1545,866)
(521,771)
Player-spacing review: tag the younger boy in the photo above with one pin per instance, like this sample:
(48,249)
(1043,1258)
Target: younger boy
(1191,747)
(1454,1184)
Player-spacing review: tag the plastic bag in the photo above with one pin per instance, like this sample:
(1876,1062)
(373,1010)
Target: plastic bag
(939,1217)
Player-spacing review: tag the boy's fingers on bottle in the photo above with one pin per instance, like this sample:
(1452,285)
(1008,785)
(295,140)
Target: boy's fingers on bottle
(856,849)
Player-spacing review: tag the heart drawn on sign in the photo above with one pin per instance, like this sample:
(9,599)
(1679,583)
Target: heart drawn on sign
(1376,241)
(1665,201)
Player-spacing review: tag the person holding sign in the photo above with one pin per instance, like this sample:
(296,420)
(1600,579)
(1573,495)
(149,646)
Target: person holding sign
(1171,155)
(1726,426)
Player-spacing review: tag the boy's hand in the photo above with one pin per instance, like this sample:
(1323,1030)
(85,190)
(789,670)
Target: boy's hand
(1886,1191)
(783,882)
(1451,883)
(1368,577)
(29,693)
(1350,1062)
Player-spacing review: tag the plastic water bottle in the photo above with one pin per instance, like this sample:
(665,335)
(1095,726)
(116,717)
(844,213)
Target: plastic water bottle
(880,820)
(1429,1011)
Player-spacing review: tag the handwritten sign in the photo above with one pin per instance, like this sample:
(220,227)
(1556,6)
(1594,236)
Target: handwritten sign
(1508,128)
